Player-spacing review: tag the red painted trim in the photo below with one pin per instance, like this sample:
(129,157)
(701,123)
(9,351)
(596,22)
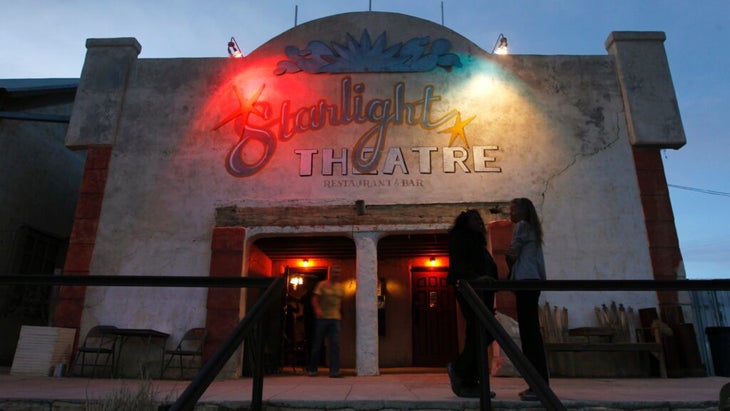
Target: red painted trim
(659,218)
(70,305)
(223,305)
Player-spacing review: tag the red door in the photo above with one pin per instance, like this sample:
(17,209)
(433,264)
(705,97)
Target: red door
(434,318)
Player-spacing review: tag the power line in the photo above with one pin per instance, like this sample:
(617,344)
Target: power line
(701,190)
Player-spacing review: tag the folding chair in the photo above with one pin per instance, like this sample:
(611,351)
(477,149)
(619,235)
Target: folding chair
(190,347)
(97,351)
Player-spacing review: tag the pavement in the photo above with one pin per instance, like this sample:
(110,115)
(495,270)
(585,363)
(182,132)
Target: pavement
(392,390)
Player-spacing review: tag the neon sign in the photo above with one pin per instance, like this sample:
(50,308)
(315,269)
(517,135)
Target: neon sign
(261,125)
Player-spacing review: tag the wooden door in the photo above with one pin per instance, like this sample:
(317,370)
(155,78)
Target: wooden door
(435,341)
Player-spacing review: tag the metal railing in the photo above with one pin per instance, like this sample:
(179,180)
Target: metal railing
(489,323)
(250,328)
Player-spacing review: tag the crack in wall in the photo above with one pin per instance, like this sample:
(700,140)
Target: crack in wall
(583,154)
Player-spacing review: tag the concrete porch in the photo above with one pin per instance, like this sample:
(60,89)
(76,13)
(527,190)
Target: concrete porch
(394,389)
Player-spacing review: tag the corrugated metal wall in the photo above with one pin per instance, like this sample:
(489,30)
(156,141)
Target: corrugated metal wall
(711,309)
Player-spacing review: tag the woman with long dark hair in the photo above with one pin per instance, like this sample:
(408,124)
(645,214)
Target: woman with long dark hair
(469,260)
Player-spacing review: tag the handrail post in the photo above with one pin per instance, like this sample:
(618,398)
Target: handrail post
(186,401)
(485,397)
(258,370)
(547,397)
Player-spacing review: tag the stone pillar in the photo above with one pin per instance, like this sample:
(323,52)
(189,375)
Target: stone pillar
(366,304)
(70,305)
(666,257)
(93,126)
(652,111)
(654,123)
(101,92)
(223,306)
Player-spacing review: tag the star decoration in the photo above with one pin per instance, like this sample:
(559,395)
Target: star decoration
(457,130)
(245,108)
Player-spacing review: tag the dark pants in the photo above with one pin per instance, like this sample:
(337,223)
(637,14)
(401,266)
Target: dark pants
(330,329)
(529,322)
(467,363)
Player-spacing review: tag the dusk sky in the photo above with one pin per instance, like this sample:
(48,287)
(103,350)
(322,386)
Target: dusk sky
(46,39)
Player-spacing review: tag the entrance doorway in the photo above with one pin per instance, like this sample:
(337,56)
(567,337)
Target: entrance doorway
(299,318)
(435,342)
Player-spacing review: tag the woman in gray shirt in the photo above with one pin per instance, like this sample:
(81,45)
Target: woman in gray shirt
(526,262)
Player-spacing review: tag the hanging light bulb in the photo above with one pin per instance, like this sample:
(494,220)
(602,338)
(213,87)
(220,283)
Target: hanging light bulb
(296,282)
(233,50)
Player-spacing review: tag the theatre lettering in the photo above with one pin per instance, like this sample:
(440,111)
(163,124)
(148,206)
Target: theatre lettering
(262,124)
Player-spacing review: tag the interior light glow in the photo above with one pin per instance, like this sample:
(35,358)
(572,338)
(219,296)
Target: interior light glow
(305,262)
(296,281)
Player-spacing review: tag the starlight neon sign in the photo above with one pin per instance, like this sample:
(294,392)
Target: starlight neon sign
(264,125)
(351,108)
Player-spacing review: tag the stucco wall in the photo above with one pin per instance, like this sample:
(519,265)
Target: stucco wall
(553,126)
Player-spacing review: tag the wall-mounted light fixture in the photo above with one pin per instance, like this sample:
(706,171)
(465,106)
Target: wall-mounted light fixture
(380,291)
(305,262)
(360,206)
(432,261)
(501,46)
(233,50)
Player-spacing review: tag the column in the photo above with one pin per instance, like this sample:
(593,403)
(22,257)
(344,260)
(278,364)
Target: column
(366,304)
(102,88)
(93,126)
(654,123)
(223,305)
(70,306)
(652,112)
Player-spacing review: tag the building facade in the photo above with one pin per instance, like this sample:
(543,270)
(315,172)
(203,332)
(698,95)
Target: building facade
(356,140)
(39,186)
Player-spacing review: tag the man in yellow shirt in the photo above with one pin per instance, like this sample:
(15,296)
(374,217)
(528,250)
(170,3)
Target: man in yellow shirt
(327,304)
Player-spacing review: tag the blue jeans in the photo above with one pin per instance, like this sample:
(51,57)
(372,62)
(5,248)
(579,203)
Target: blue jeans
(331,329)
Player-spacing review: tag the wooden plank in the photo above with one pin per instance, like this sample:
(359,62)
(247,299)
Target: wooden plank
(374,214)
(39,349)
(655,349)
